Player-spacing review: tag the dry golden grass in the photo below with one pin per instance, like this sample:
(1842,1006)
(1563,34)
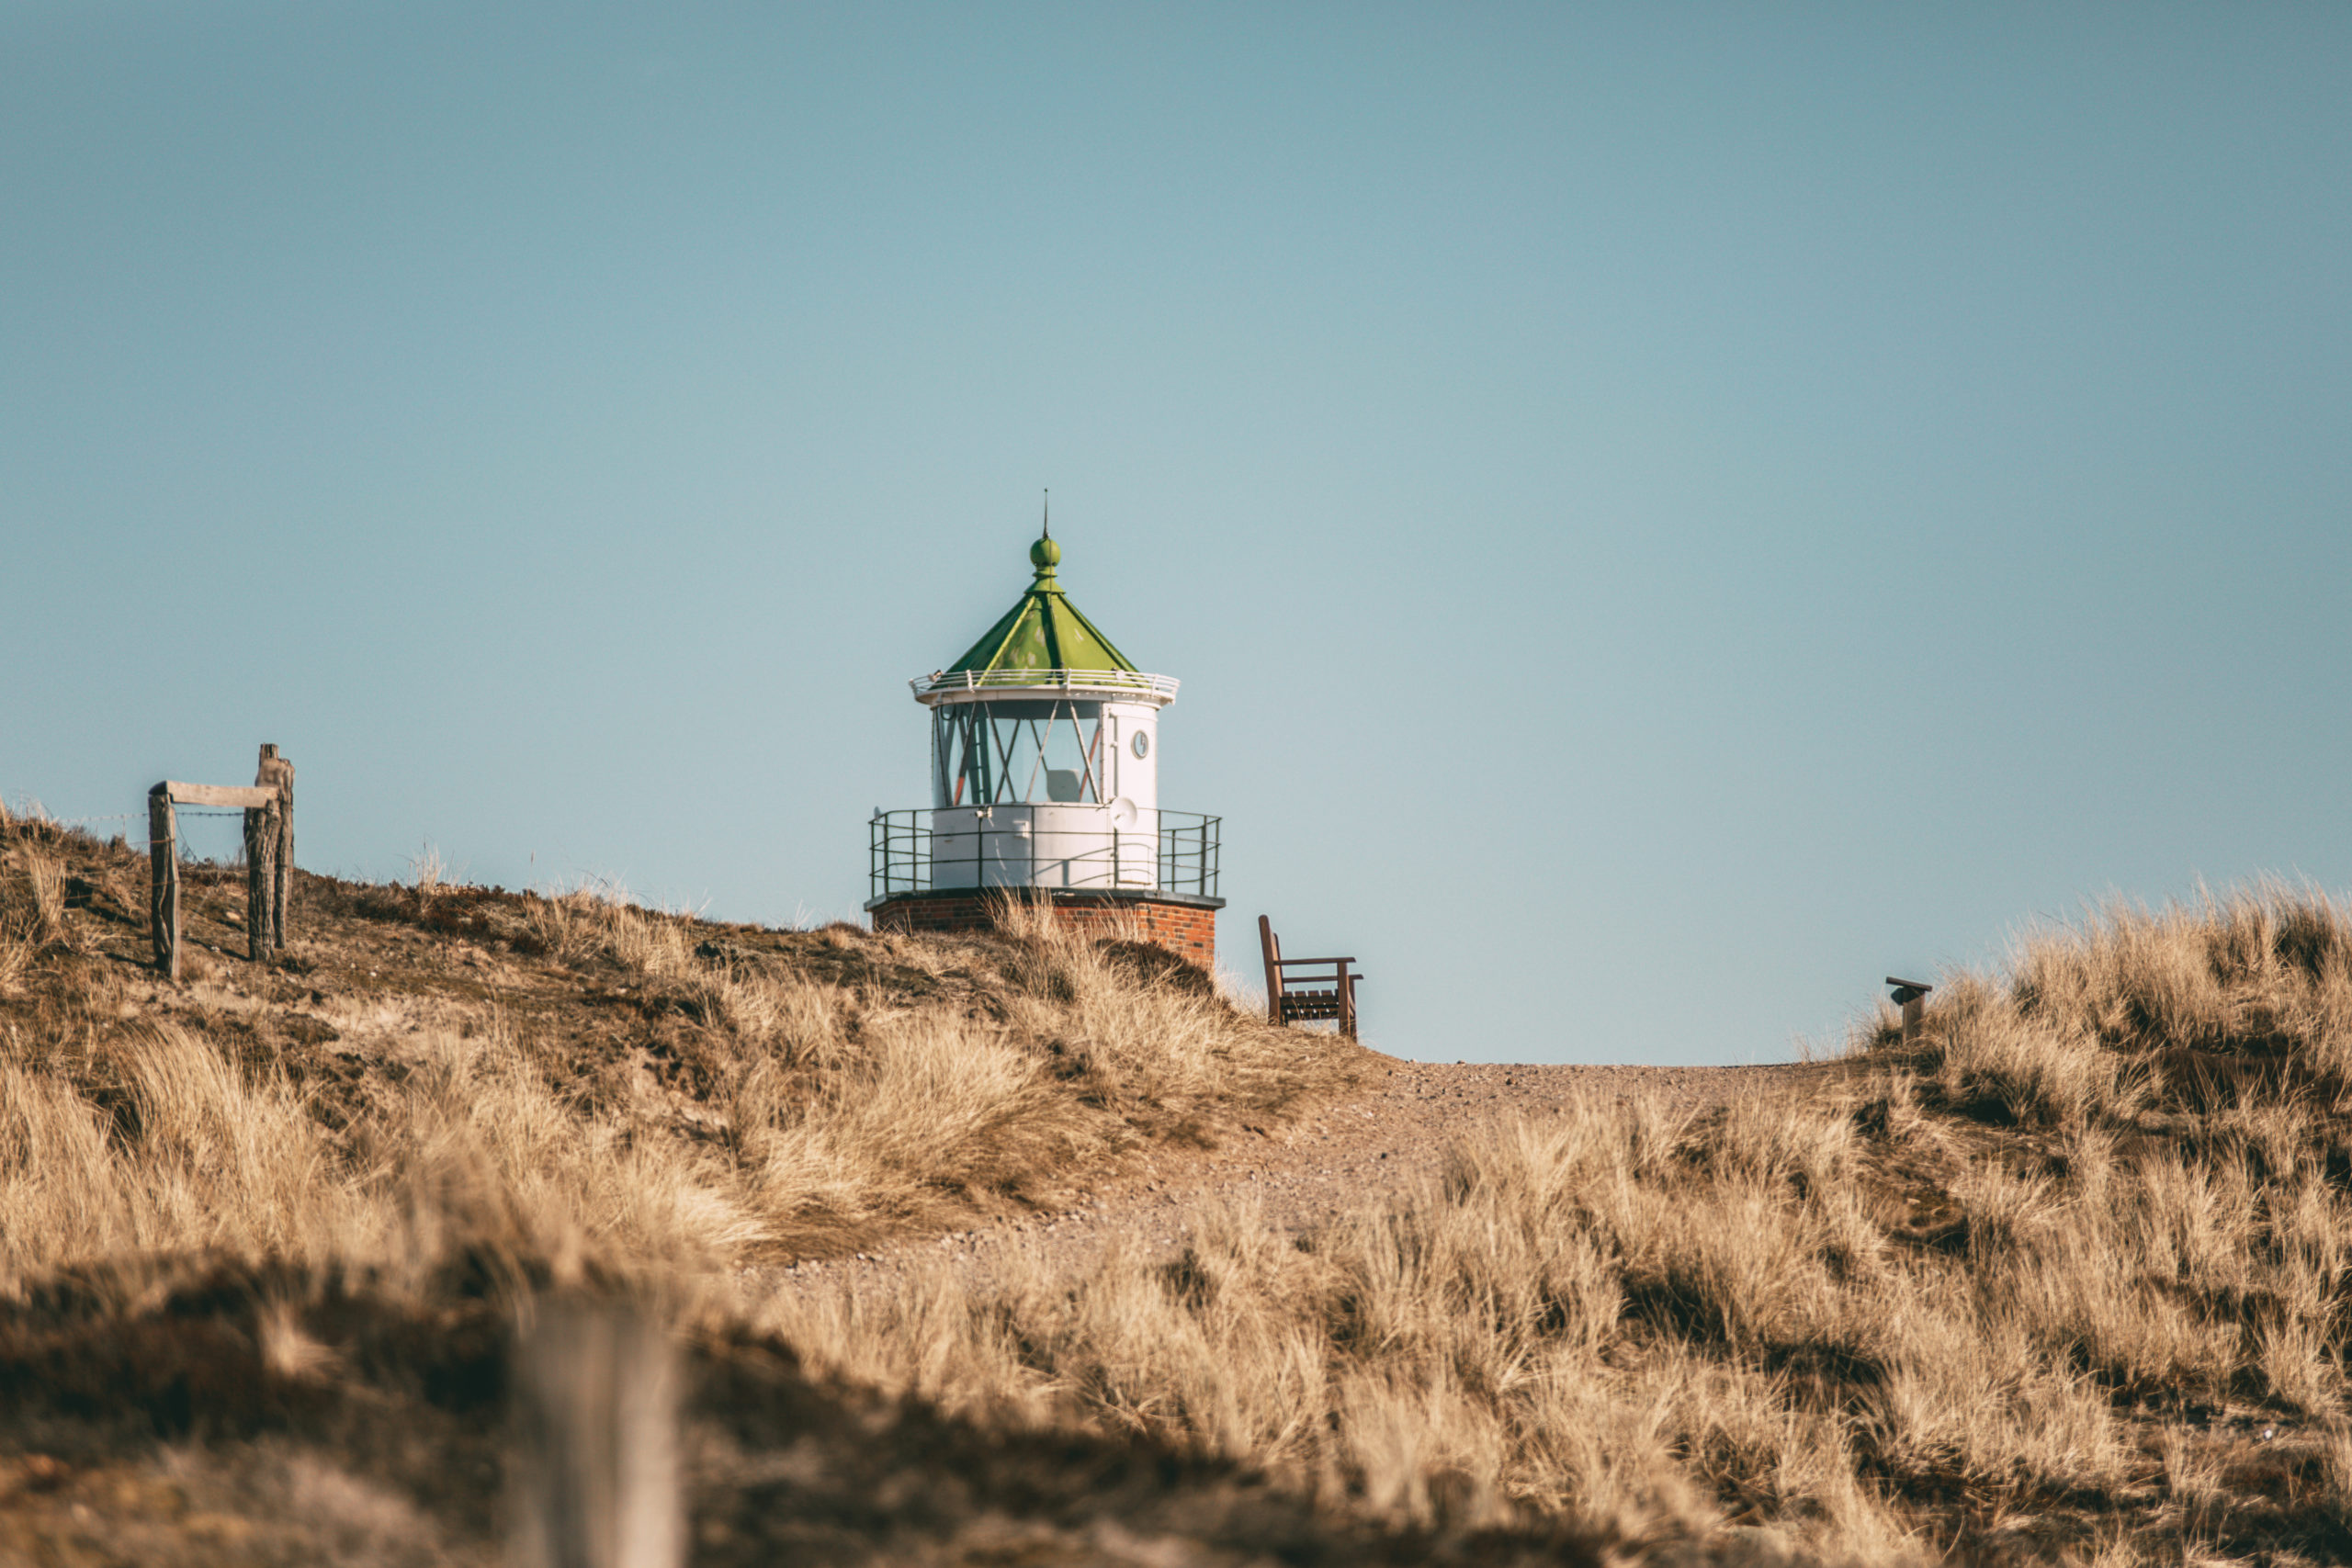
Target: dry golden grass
(1604,1319)
(32,906)
(605,1095)
(2066,1281)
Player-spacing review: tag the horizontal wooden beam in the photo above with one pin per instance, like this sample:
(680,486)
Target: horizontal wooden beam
(251,797)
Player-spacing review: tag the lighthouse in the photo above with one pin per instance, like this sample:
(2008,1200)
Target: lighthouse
(1044,786)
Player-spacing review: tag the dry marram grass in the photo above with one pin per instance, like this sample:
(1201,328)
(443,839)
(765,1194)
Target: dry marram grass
(2062,1282)
(773,1110)
(2065,1283)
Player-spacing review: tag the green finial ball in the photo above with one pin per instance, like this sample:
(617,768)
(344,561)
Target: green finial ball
(1045,554)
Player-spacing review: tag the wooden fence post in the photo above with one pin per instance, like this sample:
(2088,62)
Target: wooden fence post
(595,1471)
(285,858)
(261,881)
(277,773)
(163,879)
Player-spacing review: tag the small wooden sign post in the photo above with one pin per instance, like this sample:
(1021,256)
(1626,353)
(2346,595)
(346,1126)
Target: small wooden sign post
(1911,996)
(268,806)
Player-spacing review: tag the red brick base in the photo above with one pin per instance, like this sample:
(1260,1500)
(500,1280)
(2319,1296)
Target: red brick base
(1187,930)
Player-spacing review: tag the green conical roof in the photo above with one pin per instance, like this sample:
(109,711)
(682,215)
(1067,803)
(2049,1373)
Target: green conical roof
(1043,633)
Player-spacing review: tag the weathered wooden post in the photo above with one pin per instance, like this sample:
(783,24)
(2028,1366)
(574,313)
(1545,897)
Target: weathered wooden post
(594,1475)
(275,773)
(261,880)
(1911,996)
(163,879)
(269,855)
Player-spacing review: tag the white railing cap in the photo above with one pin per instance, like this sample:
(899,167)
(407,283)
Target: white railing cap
(941,683)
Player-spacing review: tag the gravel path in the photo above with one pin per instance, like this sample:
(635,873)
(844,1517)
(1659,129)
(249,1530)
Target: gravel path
(1374,1141)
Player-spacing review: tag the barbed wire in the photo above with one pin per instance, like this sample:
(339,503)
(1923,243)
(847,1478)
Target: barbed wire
(28,821)
(186,852)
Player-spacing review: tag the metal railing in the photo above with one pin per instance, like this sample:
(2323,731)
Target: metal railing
(1045,680)
(1189,847)
(898,852)
(903,855)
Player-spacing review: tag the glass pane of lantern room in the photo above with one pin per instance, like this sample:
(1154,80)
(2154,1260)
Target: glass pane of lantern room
(1014,738)
(964,759)
(1073,753)
(1015,752)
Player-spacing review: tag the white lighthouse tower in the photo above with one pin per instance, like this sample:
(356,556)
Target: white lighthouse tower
(1044,786)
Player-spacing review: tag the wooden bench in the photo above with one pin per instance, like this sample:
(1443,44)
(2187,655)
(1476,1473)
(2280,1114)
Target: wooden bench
(1304,997)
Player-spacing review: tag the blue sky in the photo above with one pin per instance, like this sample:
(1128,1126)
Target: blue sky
(1665,514)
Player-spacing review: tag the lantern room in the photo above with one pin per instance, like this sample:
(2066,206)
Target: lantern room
(1044,765)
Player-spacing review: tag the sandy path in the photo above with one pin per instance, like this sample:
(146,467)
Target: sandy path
(1372,1142)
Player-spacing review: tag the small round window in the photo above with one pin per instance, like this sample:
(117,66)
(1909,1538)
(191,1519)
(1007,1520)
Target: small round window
(1142,743)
